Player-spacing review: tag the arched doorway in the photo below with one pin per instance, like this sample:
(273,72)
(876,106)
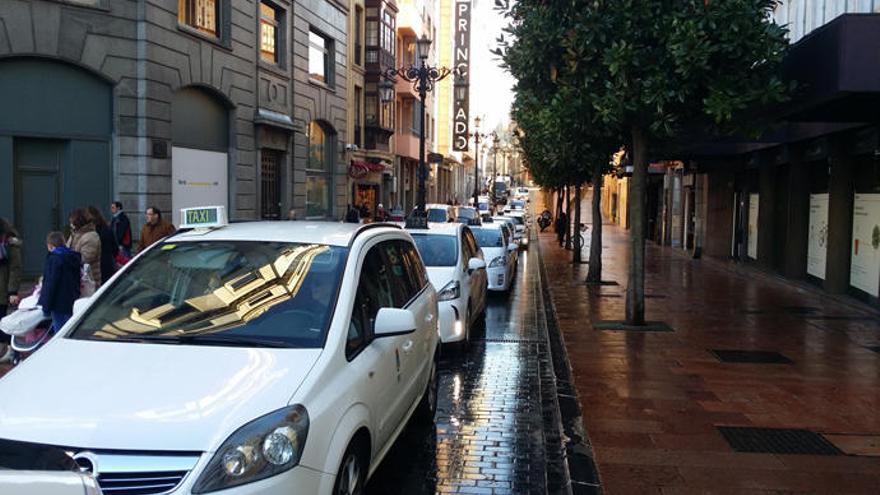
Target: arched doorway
(55,155)
(200,151)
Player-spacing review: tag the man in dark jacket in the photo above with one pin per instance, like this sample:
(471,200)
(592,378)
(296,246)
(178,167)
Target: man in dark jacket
(121,228)
(61,279)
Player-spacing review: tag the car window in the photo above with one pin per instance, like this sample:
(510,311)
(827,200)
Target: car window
(468,239)
(489,237)
(437,215)
(415,262)
(437,249)
(373,293)
(221,292)
(404,283)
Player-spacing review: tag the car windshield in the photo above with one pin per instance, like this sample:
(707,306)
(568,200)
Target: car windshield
(246,293)
(518,220)
(488,237)
(437,215)
(467,213)
(484,206)
(437,250)
(517,204)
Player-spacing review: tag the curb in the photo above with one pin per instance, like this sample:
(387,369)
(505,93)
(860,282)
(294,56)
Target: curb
(580,470)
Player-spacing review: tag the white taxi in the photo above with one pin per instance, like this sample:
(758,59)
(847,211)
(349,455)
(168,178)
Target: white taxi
(500,251)
(253,358)
(458,271)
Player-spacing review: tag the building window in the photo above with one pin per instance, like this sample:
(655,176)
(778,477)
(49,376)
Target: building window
(202,15)
(269,31)
(358,35)
(318,171)
(320,58)
(372,33)
(371,113)
(358,112)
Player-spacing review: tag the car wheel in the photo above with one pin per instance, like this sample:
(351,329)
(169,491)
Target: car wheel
(352,475)
(427,408)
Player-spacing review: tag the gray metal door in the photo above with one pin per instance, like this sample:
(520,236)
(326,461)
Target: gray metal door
(37,166)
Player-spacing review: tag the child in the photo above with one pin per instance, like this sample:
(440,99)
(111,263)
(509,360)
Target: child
(61,280)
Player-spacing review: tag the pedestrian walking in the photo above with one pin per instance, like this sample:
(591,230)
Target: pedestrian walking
(61,280)
(155,228)
(108,244)
(10,278)
(352,215)
(561,226)
(363,210)
(85,241)
(121,227)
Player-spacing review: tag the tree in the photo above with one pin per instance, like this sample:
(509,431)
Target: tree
(650,68)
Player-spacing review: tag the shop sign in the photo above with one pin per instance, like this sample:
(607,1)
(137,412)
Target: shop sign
(461,62)
(864,271)
(817,244)
(198,178)
(752,245)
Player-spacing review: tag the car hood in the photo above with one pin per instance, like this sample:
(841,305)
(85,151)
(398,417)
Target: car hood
(490,253)
(132,396)
(440,276)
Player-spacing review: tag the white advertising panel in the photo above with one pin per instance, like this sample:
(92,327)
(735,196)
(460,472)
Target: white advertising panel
(817,244)
(864,271)
(752,247)
(198,178)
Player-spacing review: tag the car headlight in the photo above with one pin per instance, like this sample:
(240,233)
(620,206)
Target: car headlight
(499,261)
(450,291)
(266,446)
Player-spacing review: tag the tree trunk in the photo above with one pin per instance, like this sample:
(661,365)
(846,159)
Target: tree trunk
(594,275)
(576,255)
(558,202)
(567,217)
(635,290)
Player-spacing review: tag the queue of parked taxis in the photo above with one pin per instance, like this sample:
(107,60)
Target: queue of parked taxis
(254,357)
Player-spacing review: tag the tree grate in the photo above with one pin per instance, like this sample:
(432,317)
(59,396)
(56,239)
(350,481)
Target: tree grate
(776,441)
(754,357)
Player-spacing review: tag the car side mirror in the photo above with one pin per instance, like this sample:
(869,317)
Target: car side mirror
(394,321)
(80,305)
(475,264)
(512,246)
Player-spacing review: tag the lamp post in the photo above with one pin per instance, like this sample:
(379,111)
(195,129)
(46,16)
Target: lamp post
(423,77)
(496,141)
(477,137)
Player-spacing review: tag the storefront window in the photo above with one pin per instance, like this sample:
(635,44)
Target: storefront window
(318,171)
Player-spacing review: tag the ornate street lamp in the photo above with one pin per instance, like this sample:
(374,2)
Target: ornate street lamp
(477,137)
(423,77)
(496,142)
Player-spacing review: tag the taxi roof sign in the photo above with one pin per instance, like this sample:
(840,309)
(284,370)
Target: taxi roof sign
(202,217)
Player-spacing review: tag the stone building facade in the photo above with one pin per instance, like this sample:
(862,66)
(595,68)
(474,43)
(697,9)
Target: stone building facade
(170,103)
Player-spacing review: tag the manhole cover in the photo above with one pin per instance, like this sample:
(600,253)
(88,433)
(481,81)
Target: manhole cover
(776,441)
(756,357)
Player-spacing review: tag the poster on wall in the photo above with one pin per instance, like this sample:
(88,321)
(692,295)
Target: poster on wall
(817,244)
(752,247)
(198,178)
(864,273)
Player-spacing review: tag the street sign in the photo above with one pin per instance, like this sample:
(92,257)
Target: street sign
(203,217)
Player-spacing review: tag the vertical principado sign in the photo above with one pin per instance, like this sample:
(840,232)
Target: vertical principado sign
(461,61)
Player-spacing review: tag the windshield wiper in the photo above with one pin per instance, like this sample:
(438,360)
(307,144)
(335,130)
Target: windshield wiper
(230,340)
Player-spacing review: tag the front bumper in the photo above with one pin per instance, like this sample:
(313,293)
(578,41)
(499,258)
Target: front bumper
(452,326)
(300,479)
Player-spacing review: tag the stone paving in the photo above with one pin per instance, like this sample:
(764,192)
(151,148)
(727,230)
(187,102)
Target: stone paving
(493,409)
(651,401)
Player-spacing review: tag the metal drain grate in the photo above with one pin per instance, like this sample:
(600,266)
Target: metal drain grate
(755,357)
(777,441)
(512,341)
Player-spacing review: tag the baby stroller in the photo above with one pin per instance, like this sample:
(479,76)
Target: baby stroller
(28,327)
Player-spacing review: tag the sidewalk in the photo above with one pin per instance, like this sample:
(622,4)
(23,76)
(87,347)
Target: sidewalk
(652,401)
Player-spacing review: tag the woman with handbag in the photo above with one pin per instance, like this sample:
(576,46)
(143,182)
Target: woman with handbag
(85,241)
(10,277)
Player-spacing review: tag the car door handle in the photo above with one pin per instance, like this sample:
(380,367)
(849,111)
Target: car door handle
(408,346)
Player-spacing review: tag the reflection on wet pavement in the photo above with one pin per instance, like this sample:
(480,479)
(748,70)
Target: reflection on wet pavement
(489,435)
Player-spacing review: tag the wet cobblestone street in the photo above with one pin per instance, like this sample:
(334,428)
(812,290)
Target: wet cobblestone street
(489,435)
